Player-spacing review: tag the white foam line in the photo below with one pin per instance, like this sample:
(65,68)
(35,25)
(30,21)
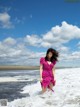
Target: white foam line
(66,92)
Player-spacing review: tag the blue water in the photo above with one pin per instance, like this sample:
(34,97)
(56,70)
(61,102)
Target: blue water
(11,90)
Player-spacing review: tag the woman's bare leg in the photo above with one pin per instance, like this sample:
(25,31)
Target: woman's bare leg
(44,89)
(50,85)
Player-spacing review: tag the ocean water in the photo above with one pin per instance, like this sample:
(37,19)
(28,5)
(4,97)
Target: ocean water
(22,89)
(12,82)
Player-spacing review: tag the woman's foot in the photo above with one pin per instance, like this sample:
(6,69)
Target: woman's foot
(52,90)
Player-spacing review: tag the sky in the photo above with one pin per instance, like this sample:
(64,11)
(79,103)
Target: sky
(29,27)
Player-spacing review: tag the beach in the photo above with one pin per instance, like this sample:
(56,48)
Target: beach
(24,89)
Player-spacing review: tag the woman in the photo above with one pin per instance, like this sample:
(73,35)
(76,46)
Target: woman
(47,69)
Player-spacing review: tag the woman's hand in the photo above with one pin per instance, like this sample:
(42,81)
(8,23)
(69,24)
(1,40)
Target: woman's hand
(53,71)
(54,78)
(41,79)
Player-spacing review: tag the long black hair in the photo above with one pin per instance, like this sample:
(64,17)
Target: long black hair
(54,56)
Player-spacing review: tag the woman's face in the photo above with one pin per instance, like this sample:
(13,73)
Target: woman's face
(50,54)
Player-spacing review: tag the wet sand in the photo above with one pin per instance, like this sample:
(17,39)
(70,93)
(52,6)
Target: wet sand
(19,67)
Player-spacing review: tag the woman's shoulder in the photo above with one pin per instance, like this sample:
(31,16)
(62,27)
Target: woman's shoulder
(42,58)
(54,62)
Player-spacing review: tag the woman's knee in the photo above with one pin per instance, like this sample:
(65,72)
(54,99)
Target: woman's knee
(50,85)
(44,88)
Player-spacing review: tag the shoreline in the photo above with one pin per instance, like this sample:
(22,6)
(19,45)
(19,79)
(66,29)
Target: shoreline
(20,67)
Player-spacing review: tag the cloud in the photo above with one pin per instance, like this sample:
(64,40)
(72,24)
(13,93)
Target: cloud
(5,8)
(63,49)
(70,56)
(5,20)
(33,40)
(56,37)
(59,35)
(14,52)
(19,20)
(75,55)
(17,51)
(9,41)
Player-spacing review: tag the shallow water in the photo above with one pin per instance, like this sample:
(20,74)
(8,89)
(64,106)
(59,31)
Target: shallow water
(12,82)
(66,91)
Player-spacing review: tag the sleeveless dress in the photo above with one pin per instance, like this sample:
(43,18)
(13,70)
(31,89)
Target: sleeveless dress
(47,74)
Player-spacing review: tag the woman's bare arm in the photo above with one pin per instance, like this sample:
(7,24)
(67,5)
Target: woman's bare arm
(53,70)
(41,69)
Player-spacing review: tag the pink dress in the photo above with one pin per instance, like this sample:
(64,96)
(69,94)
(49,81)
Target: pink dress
(47,74)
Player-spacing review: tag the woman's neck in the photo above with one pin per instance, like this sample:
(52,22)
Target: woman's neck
(49,59)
